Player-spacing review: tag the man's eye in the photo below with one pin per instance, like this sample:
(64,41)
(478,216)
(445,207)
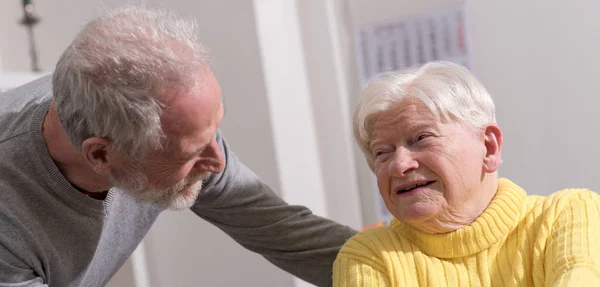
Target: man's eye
(423,136)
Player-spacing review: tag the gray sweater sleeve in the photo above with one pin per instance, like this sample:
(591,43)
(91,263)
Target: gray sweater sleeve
(14,273)
(289,236)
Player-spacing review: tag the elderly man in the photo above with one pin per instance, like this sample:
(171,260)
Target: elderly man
(430,136)
(126,127)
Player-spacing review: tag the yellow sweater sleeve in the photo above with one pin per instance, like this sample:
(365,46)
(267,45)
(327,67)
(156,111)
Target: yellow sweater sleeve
(573,250)
(358,265)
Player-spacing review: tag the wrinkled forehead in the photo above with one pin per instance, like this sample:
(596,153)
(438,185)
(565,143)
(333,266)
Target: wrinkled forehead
(405,113)
(195,115)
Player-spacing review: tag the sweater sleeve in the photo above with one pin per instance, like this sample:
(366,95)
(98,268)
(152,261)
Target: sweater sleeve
(291,237)
(357,265)
(15,273)
(573,250)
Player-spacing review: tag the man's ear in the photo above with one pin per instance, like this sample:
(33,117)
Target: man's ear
(493,146)
(96,153)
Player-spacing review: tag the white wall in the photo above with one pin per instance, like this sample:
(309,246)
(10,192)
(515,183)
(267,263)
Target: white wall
(60,21)
(325,39)
(539,60)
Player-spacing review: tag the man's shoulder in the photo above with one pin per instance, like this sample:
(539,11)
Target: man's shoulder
(18,170)
(17,106)
(24,92)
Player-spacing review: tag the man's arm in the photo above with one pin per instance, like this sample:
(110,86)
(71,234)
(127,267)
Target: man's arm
(291,237)
(14,273)
(573,250)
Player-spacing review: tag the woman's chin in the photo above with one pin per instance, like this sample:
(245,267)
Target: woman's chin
(418,213)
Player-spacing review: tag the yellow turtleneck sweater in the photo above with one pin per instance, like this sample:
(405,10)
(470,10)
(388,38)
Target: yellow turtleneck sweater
(519,240)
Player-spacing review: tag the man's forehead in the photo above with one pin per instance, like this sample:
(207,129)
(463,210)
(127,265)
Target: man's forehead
(193,118)
(204,81)
(195,127)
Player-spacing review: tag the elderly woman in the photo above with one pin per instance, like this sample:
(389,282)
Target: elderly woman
(430,136)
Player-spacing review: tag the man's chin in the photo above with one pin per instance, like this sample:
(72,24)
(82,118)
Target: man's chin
(169,199)
(185,198)
(179,204)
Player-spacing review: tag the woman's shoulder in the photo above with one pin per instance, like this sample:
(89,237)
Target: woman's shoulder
(564,200)
(373,235)
(565,197)
(375,240)
(371,246)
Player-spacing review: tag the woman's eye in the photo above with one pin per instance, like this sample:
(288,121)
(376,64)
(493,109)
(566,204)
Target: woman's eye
(379,153)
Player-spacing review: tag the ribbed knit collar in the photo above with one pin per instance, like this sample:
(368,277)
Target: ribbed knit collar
(495,223)
(53,177)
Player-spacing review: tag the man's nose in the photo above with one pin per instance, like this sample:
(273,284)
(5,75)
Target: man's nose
(212,159)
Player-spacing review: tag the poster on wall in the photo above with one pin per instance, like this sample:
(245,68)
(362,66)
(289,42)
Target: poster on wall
(441,34)
(414,40)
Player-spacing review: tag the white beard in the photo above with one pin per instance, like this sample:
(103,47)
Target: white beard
(179,196)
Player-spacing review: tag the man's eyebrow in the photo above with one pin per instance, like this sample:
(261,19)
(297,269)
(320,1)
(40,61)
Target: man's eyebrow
(201,147)
(195,152)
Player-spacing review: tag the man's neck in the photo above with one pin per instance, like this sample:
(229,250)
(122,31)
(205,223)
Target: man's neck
(68,159)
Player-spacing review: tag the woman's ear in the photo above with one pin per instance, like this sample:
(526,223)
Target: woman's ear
(493,145)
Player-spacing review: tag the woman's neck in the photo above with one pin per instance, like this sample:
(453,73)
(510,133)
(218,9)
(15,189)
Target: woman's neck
(460,216)
(497,220)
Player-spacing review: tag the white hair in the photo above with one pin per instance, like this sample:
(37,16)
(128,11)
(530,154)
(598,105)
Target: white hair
(109,81)
(449,90)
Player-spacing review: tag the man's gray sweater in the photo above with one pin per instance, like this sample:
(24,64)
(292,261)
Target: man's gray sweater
(53,235)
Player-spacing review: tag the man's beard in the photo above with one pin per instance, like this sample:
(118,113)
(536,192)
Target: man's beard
(179,196)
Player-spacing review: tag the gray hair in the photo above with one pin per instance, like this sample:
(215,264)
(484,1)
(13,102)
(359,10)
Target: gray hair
(449,90)
(109,81)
